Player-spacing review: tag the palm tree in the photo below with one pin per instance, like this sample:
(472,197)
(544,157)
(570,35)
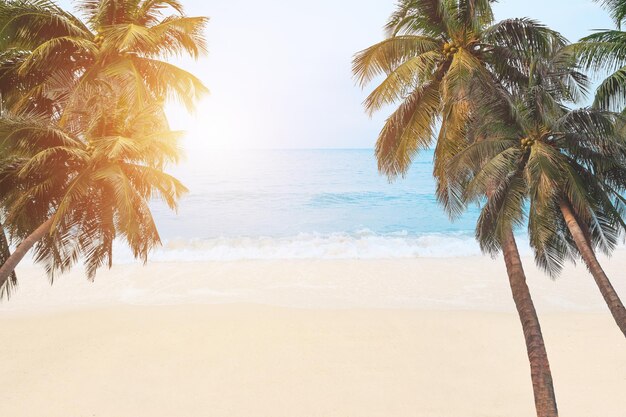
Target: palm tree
(438,59)
(84,188)
(52,67)
(569,164)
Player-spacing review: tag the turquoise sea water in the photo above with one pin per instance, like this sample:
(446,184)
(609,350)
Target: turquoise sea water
(307,204)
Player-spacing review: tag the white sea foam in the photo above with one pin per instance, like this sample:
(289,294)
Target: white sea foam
(361,245)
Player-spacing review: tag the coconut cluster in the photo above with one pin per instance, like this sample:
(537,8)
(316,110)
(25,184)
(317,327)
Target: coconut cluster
(98,40)
(450,49)
(526,143)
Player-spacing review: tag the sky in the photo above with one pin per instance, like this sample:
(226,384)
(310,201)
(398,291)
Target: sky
(279,71)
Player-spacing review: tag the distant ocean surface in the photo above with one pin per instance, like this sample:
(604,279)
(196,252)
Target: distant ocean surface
(299,204)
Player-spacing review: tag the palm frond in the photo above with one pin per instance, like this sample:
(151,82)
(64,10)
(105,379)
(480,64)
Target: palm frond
(427,17)
(409,129)
(385,57)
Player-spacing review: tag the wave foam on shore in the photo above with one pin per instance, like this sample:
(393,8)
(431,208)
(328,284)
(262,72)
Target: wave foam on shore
(361,245)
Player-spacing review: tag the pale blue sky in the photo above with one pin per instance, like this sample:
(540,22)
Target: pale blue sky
(279,70)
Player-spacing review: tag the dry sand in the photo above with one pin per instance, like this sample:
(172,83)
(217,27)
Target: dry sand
(419,338)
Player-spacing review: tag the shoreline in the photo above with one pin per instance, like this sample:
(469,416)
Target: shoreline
(442,284)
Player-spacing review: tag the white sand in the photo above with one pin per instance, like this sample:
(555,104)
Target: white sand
(425,337)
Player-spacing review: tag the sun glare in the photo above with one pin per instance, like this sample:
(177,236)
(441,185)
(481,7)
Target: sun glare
(208,127)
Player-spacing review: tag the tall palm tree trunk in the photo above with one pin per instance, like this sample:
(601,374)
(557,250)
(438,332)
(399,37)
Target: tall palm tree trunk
(545,400)
(606,288)
(22,249)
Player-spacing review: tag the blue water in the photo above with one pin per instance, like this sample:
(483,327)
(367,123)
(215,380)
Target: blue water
(307,204)
(285,192)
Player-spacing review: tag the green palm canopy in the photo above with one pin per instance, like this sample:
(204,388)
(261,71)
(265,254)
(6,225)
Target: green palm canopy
(561,170)
(84,140)
(437,56)
(50,58)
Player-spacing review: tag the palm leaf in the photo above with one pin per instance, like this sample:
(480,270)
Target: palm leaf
(408,129)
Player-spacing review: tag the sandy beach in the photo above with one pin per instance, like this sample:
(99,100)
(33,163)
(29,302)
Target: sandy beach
(420,337)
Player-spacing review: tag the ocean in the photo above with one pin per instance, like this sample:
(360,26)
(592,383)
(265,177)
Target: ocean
(251,217)
(299,204)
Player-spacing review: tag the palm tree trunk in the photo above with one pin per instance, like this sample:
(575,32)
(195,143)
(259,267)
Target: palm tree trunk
(22,249)
(545,400)
(5,251)
(586,251)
